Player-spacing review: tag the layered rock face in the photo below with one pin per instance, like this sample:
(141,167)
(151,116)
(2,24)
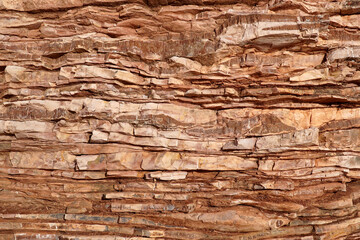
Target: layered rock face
(164,119)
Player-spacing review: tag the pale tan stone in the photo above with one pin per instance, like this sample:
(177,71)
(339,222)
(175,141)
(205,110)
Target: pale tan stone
(304,138)
(145,132)
(119,207)
(266,165)
(99,136)
(97,105)
(69,137)
(344,52)
(341,161)
(124,174)
(92,71)
(220,163)
(142,141)
(309,75)
(131,78)
(293,164)
(49,160)
(25,126)
(187,63)
(180,113)
(14,73)
(240,144)
(167,176)
(122,127)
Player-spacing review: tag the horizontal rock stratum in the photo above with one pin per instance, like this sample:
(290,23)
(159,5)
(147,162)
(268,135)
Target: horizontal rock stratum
(167,119)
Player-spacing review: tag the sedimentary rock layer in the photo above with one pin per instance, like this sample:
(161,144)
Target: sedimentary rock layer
(209,119)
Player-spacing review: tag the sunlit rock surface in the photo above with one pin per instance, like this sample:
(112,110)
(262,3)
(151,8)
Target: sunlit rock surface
(208,119)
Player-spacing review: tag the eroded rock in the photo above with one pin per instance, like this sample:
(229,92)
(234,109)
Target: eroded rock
(130,119)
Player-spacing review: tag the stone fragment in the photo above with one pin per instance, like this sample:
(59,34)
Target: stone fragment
(278,184)
(122,128)
(266,165)
(145,132)
(343,225)
(223,163)
(343,53)
(126,161)
(189,64)
(59,216)
(310,192)
(25,126)
(273,205)
(351,21)
(240,144)
(259,31)
(341,139)
(141,141)
(167,176)
(129,195)
(84,175)
(82,189)
(91,162)
(293,164)
(231,219)
(14,73)
(97,105)
(336,203)
(304,138)
(341,124)
(83,71)
(354,174)
(124,174)
(260,122)
(69,137)
(341,161)
(123,207)
(49,160)
(179,113)
(131,78)
(163,161)
(98,136)
(309,75)
(79,206)
(91,218)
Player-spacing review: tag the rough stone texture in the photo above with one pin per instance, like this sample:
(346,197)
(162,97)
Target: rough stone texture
(208,119)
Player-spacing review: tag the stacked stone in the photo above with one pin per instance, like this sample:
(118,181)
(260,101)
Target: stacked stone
(208,119)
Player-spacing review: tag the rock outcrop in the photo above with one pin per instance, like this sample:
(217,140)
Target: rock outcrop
(166,119)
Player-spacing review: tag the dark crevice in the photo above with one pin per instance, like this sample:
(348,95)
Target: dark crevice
(55,55)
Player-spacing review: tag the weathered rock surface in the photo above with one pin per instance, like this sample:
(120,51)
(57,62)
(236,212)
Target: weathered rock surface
(211,119)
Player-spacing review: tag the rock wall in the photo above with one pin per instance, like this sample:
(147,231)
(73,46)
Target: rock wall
(168,119)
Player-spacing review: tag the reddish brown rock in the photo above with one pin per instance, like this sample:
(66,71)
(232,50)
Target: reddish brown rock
(132,119)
